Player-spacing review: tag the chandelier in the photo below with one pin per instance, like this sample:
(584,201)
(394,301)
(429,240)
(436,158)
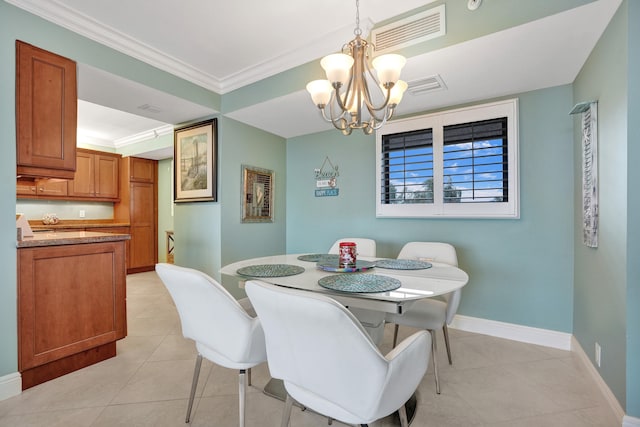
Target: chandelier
(344,97)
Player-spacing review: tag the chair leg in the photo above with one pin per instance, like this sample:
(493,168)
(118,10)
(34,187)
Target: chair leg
(395,334)
(286,414)
(249,377)
(434,349)
(402,413)
(194,385)
(242,381)
(445,331)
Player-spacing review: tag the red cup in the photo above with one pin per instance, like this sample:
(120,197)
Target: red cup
(347,255)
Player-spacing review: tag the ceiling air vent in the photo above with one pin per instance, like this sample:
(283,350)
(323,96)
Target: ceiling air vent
(428,84)
(150,108)
(406,32)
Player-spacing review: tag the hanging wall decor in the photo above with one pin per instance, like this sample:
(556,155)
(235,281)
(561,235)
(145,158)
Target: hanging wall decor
(195,162)
(589,128)
(257,194)
(326,179)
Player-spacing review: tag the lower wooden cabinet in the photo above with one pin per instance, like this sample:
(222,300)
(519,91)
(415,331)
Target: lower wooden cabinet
(71,307)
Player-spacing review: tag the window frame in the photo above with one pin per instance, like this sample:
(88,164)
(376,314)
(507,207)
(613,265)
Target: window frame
(437,122)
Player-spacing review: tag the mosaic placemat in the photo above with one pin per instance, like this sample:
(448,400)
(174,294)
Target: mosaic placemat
(318,257)
(362,283)
(402,264)
(270,270)
(334,266)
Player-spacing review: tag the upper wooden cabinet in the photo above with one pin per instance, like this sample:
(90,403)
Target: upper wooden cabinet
(96,175)
(46,113)
(142,170)
(41,187)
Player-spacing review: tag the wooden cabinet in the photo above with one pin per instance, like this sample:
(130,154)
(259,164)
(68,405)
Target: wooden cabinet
(96,178)
(71,307)
(142,170)
(43,187)
(96,175)
(46,113)
(117,230)
(138,206)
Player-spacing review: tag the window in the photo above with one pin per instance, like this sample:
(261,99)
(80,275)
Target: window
(459,163)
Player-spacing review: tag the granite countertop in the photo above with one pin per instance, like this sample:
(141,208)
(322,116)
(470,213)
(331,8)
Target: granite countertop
(48,238)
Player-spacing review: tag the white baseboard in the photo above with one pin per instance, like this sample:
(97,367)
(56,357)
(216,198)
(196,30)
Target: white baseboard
(604,388)
(10,385)
(547,338)
(630,421)
(510,331)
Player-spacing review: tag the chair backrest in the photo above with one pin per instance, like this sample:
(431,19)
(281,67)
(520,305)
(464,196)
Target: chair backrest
(213,318)
(438,253)
(319,349)
(364,247)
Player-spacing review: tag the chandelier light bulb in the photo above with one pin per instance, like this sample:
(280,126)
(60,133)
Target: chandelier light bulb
(388,67)
(397,91)
(337,67)
(320,91)
(344,98)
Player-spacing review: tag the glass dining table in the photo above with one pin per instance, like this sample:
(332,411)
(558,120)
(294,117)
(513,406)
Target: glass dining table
(362,287)
(371,288)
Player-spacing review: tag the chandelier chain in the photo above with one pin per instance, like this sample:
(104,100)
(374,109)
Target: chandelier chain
(357,31)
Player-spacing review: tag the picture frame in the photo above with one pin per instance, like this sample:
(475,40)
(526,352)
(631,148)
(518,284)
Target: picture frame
(257,194)
(196,162)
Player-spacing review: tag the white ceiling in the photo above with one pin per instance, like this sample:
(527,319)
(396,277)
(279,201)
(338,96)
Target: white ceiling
(224,45)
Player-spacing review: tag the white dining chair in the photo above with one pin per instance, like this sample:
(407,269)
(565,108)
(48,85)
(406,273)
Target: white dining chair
(223,329)
(328,362)
(364,247)
(430,313)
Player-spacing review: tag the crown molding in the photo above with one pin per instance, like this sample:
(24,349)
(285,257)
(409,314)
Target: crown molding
(58,13)
(143,136)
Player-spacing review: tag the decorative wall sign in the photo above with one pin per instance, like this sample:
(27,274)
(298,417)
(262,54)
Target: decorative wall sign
(257,194)
(195,154)
(590,175)
(326,179)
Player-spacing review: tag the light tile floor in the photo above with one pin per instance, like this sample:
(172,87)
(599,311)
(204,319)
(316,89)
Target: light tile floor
(493,382)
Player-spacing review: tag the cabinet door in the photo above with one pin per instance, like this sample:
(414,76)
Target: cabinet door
(46,116)
(71,298)
(51,187)
(144,240)
(142,170)
(106,176)
(82,184)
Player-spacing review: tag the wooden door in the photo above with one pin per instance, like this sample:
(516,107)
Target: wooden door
(46,113)
(71,298)
(142,170)
(144,240)
(82,185)
(106,176)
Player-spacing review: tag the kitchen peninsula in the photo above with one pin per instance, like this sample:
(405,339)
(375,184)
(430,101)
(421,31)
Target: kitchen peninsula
(71,301)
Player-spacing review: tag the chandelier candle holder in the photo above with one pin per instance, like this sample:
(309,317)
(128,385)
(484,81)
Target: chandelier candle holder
(344,95)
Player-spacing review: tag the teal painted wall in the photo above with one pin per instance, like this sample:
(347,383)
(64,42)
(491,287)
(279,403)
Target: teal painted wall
(601,273)
(521,271)
(633,204)
(209,235)
(18,24)
(165,205)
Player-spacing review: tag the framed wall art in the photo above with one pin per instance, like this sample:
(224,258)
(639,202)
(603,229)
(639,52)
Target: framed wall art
(195,162)
(257,194)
